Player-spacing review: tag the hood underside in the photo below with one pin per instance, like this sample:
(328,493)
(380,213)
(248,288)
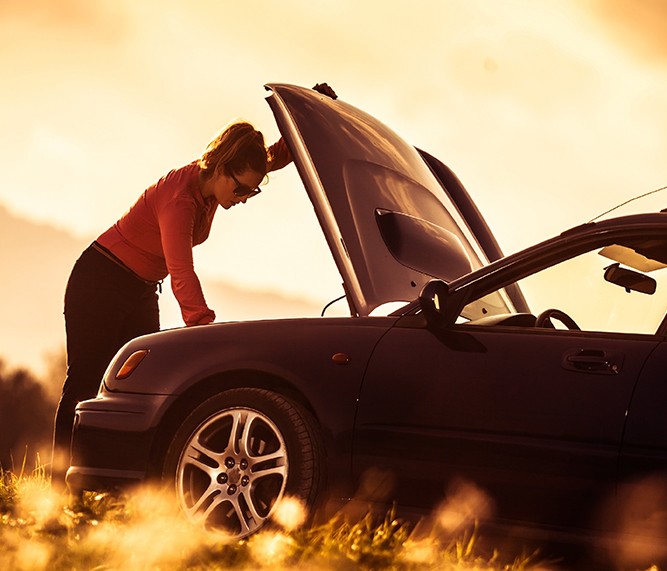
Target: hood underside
(389,222)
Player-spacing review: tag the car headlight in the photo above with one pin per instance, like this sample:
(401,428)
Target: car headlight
(131,363)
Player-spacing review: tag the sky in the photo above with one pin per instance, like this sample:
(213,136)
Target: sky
(549,111)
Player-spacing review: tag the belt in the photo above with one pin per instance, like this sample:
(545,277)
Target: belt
(107,254)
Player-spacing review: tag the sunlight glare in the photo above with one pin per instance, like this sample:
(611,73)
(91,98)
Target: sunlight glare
(156,534)
(465,504)
(270,549)
(38,499)
(32,556)
(419,552)
(289,513)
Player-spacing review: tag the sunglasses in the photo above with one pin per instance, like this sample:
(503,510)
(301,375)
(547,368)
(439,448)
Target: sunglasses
(243,190)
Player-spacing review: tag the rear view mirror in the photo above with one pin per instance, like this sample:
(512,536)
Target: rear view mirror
(432,301)
(629,279)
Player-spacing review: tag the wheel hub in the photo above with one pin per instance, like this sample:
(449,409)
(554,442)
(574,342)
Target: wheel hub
(234,475)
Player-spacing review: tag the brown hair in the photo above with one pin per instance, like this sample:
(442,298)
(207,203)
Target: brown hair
(236,149)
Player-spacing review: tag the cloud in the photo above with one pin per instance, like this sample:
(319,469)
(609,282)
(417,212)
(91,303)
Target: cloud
(523,101)
(99,21)
(637,26)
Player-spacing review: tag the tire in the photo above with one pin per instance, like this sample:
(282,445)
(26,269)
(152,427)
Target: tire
(237,454)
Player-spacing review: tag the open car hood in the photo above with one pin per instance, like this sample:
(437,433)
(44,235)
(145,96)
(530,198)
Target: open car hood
(393,217)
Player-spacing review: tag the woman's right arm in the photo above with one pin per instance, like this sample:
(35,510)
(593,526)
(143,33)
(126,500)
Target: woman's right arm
(279,156)
(176,220)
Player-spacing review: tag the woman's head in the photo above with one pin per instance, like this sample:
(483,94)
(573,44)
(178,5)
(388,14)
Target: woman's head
(240,147)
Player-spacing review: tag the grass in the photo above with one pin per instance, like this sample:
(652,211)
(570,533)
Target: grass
(43,530)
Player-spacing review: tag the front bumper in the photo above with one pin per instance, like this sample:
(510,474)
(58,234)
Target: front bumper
(113,440)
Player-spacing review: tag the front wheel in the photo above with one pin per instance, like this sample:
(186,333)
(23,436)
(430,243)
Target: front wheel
(240,452)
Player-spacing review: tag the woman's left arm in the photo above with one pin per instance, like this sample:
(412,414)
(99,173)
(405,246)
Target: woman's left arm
(279,154)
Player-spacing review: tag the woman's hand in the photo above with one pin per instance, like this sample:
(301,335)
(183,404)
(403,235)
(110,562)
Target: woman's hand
(325,89)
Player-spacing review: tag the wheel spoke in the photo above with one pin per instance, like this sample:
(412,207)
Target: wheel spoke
(196,450)
(239,423)
(192,461)
(279,454)
(264,472)
(209,493)
(258,519)
(275,463)
(244,439)
(217,502)
(248,523)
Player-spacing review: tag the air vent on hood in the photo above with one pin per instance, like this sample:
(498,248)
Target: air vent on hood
(422,245)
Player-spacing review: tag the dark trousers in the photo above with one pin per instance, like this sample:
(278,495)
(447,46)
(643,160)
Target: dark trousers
(105,307)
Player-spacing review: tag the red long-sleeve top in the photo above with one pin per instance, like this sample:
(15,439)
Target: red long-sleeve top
(155,237)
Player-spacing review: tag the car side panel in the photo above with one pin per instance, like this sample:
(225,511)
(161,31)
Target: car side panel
(645,441)
(501,408)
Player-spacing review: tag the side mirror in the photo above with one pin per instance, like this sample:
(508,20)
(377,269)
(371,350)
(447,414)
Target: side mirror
(432,301)
(629,279)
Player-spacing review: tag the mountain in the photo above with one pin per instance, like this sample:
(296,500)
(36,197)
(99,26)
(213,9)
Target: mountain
(37,260)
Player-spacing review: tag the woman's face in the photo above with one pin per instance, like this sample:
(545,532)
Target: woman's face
(223,186)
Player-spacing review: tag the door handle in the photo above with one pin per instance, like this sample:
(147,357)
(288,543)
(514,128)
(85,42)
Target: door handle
(594,361)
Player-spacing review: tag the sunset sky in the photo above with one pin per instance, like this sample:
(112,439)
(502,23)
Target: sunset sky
(550,111)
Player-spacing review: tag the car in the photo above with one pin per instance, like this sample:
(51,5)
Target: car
(537,377)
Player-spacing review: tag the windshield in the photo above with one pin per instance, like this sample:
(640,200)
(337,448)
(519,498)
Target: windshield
(577,287)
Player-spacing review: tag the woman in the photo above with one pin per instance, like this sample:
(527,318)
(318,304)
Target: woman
(111,295)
